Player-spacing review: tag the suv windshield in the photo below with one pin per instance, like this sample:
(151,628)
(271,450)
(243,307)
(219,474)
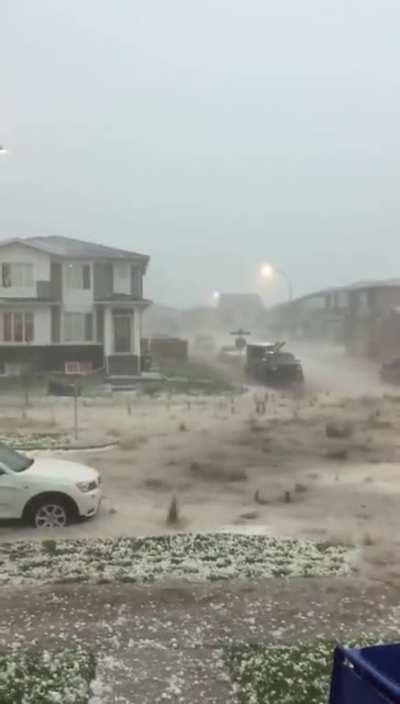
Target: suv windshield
(13,460)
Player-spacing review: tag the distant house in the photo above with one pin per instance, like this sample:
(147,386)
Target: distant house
(363,316)
(244,310)
(69,305)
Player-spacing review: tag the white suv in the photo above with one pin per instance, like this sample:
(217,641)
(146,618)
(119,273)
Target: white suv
(46,492)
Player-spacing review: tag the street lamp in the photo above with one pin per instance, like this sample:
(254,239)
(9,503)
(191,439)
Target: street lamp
(3,150)
(268,271)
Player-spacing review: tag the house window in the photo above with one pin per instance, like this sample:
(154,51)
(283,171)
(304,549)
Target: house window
(18,327)
(78,276)
(8,327)
(78,327)
(16,275)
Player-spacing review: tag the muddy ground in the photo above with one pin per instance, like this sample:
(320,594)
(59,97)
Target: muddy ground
(322,464)
(281,471)
(170,642)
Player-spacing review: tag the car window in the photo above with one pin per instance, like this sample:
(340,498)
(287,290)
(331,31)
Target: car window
(285,357)
(13,460)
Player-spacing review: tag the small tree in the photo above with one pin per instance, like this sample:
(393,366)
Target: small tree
(173,512)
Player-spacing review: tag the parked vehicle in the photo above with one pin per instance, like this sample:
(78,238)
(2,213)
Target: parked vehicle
(390,371)
(268,364)
(46,492)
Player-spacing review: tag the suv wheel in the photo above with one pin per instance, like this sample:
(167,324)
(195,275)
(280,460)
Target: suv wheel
(50,514)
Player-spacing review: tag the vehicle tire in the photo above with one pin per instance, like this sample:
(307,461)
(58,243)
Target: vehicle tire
(51,512)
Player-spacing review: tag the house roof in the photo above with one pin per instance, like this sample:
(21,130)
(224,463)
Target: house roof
(384,283)
(70,248)
(357,286)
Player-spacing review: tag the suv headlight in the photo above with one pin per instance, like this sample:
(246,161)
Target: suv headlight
(87,486)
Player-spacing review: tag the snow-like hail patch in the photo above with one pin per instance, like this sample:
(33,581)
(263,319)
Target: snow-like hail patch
(192,557)
(295,674)
(40,677)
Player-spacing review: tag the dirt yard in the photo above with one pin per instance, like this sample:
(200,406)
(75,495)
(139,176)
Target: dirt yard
(323,464)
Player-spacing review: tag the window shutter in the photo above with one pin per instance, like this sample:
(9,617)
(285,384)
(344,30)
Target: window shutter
(88,327)
(86,276)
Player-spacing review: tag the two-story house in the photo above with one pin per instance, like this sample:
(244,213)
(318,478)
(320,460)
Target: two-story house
(67,304)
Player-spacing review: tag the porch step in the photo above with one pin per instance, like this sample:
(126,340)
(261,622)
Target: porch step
(123,365)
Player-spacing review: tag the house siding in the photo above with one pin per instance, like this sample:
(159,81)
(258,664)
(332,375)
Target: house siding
(136,283)
(100,324)
(50,358)
(122,278)
(76,296)
(56,281)
(42,326)
(55,325)
(102,281)
(43,290)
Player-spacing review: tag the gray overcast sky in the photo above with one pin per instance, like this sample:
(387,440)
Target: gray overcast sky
(211,134)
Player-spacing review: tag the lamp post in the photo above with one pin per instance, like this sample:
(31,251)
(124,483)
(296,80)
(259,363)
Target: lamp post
(268,271)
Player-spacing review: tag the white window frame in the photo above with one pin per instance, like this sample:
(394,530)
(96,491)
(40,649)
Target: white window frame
(77,335)
(74,276)
(21,275)
(24,314)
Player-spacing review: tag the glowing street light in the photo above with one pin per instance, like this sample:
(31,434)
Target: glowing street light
(3,150)
(216,296)
(268,271)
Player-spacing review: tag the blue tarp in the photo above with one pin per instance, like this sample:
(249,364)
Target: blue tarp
(366,675)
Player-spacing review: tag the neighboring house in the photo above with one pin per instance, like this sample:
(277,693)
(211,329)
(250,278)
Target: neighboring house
(70,305)
(363,316)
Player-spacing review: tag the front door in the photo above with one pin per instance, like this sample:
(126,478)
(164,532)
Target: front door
(122,333)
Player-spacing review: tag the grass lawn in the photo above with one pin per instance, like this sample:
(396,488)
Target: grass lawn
(298,674)
(198,557)
(191,378)
(41,677)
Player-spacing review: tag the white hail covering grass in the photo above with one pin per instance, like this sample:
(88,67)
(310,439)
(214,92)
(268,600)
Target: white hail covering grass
(193,557)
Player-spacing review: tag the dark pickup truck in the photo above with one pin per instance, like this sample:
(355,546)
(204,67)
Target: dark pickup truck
(268,364)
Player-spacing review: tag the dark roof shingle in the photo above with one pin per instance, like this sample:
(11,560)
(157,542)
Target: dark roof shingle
(69,247)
